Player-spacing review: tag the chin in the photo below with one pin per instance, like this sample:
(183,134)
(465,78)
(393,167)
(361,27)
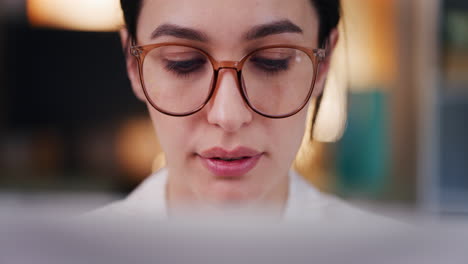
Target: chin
(227,194)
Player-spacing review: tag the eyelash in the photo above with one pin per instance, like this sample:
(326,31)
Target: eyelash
(271,66)
(180,67)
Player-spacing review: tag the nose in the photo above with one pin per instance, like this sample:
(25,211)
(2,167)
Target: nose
(227,109)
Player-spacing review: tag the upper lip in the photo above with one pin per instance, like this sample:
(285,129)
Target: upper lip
(239,152)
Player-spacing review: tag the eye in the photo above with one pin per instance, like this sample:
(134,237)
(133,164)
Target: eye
(269,65)
(185,67)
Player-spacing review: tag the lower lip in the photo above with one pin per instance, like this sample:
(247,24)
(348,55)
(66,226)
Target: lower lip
(236,168)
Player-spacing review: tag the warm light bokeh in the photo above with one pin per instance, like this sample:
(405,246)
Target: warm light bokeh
(83,15)
(370,42)
(136,147)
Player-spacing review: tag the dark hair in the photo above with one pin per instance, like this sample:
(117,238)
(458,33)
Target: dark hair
(327,10)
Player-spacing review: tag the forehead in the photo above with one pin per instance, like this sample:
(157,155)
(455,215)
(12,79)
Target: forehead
(226,21)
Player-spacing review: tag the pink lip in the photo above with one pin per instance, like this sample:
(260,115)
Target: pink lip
(211,159)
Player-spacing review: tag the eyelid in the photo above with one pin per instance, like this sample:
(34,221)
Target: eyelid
(271,65)
(275,54)
(178,50)
(182,55)
(270,60)
(188,67)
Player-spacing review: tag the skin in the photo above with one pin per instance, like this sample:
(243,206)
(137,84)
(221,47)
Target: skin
(226,121)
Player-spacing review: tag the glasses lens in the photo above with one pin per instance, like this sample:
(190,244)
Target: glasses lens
(277,81)
(177,78)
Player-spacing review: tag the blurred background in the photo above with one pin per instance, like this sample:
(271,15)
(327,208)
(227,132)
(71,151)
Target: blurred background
(71,127)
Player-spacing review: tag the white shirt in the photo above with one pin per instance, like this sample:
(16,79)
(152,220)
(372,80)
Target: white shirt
(304,202)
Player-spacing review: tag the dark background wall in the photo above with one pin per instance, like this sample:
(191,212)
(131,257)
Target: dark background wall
(64,95)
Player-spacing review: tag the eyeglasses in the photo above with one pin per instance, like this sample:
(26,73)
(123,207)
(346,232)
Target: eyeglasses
(275,81)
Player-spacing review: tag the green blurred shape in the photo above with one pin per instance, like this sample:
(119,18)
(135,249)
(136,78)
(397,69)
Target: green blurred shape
(363,153)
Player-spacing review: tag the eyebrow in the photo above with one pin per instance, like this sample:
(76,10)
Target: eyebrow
(178,32)
(277,27)
(260,31)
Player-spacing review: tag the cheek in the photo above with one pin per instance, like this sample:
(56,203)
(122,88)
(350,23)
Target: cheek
(171,132)
(287,137)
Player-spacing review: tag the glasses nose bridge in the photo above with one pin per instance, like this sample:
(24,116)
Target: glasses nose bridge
(229,111)
(227,65)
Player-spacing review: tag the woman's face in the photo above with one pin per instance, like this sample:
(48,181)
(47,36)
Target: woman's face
(226,127)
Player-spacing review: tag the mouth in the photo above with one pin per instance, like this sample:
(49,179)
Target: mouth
(230,159)
(235,163)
